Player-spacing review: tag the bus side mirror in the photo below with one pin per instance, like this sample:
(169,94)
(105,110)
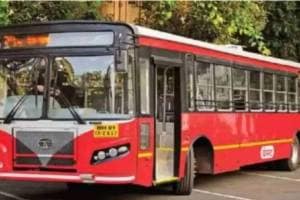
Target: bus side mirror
(121,61)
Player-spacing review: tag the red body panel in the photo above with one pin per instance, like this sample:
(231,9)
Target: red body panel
(250,130)
(129,165)
(145,165)
(221,129)
(6,148)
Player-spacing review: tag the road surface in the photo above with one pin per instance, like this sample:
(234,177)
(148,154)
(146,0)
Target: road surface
(250,184)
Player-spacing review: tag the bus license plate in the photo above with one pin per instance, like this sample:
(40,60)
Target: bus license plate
(106,131)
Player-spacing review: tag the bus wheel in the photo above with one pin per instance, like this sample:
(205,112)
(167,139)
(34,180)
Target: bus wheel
(186,184)
(292,163)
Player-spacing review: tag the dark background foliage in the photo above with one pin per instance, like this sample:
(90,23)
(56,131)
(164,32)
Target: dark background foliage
(271,28)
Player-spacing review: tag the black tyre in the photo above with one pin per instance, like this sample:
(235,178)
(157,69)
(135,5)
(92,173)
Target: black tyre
(292,163)
(186,184)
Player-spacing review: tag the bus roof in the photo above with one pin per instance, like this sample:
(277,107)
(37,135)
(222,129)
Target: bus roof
(147,32)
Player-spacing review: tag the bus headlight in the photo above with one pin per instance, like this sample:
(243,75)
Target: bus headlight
(109,153)
(101,155)
(113,152)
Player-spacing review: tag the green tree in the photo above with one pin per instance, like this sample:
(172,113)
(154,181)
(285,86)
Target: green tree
(213,21)
(282,31)
(26,11)
(3,12)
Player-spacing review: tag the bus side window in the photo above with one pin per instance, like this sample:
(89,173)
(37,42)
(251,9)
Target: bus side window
(269,92)
(281,93)
(255,86)
(223,86)
(144,85)
(291,82)
(189,63)
(239,96)
(204,86)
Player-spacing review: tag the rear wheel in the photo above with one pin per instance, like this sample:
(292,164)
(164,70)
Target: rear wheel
(186,184)
(292,163)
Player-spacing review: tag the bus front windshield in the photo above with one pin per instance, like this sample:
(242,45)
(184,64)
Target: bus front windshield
(90,85)
(21,87)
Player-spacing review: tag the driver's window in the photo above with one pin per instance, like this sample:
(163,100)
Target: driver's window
(22,79)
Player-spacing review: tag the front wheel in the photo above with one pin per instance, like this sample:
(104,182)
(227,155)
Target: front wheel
(186,184)
(292,162)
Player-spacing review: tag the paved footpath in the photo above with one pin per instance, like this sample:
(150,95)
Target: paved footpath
(241,185)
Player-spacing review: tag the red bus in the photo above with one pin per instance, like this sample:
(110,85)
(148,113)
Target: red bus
(112,103)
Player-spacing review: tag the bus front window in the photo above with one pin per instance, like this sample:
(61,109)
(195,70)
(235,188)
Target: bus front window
(22,87)
(92,86)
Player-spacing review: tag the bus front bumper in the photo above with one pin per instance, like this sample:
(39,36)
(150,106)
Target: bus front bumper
(66,177)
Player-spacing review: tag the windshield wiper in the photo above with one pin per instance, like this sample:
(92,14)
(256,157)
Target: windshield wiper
(72,110)
(14,110)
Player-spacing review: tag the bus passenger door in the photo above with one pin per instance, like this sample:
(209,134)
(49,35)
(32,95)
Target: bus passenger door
(167,119)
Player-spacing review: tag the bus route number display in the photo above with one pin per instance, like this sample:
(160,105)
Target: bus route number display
(106,131)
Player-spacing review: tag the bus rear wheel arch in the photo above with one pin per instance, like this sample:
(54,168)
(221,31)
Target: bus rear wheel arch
(204,156)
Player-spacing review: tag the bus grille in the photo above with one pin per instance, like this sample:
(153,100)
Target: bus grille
(44,149)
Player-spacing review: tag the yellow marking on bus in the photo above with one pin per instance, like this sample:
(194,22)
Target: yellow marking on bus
(165,149)
(228,146)
(252,144)
(165,180)
(185,149)
(145,155)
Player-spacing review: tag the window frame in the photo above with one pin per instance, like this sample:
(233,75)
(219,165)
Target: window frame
(245,89)
(190,82)
(282,92)
(211,85)
(259,90)
(148,112)
(289,104)
(229,87)
(272,91)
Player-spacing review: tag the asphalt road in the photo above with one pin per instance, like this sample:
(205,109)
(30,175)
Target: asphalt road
(250,184)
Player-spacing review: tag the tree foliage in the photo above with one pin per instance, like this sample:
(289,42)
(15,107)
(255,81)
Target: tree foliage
(3,12)
(213,21)
(282,31)
(32,11)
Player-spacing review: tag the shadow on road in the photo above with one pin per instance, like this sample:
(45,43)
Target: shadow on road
(93,192)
